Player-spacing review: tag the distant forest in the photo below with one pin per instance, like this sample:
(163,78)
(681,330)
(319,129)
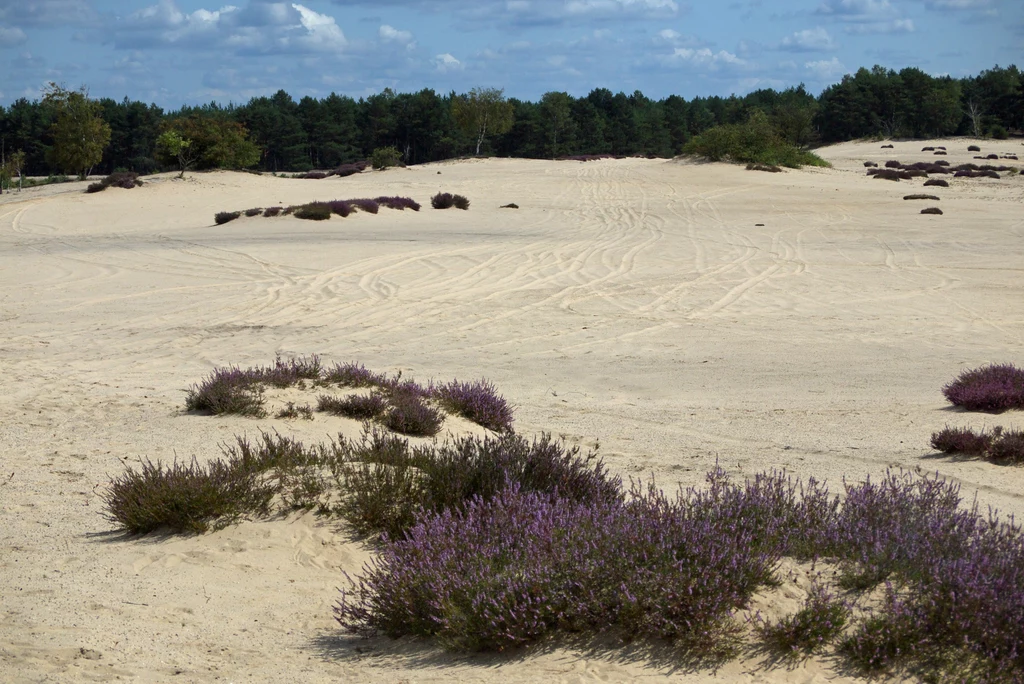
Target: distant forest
(324,133)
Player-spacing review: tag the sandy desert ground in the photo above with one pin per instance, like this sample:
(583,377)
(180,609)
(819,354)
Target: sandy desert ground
(676,313)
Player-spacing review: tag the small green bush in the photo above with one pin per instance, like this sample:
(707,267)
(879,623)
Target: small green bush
(755,142)
(385,157)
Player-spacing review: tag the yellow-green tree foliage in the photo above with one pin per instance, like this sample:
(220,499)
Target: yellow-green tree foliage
(79,133)
(214,143)
(483,111)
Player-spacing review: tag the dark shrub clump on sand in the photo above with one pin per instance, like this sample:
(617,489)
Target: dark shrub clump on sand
(1004,447)
(187,498)
(477,401)
(354,406)
(409,415)
(870,164)
(940,152)
(315,211)
(994,388)
(920,197)
(936,182)
(223,217)
(445,200)
(365,205)
(888,147)
(770,168)
(311,175)
(118,179)
(932,210)
(510,205)
(399,203)
(890,174)
(973,148)
(272,211)
(253,212)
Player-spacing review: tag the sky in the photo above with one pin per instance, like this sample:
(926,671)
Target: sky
(176,52)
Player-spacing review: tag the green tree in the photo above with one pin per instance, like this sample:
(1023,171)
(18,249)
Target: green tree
(483,111)
(12,166)
(171,148)
(217,143)
(79,133)
(556,110)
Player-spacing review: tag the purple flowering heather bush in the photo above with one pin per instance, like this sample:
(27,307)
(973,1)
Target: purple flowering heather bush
(227,390)
(820,622)
(354,406)
(994,388)
(399,203)
(961,441)
(409,415)
(353,374)
(366,205)
(477,401)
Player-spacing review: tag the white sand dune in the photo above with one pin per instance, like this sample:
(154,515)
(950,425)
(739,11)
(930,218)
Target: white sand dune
(679,314)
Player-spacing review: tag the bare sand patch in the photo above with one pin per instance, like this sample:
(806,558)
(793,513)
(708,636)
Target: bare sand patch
(679,314)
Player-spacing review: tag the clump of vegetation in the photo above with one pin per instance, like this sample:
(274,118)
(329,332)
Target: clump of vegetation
(314,211)
(932,210)
(920,197)
(223,217)
(889,174)
(119,179)
(755,142)
(348,169)
(399,203)
(993,389)
(477,401)
(888,147)
(385,157)
(292,411)
(820,622)
(446,200)
(870,164)
(365,205)
(409,415)
(770,168)
(311,175)
(185,498)
(272,211)
(353,375)
(936,182)
(940,152)
(253,212)
(510,205)
(354,406)
(963,441)
(973,148)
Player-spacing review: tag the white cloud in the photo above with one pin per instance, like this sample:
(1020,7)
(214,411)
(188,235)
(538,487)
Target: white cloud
(703,57)
(808,40)
(9,37)
(446,63)
(390,33)
(857,10)
(259,27)
(894,26)
(826,70)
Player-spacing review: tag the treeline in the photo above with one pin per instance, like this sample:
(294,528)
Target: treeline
(324,133)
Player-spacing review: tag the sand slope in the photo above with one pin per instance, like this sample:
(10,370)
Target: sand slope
(634,303)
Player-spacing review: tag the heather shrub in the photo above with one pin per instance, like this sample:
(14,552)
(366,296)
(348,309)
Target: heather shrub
(340,207)
(936,182)
(1007,447)
(888,147)
(292,411)
(992,156)
(893,164)
(920,197)
(385,157)
(354,406)
(442,200)
(225,216)
(185,497)
(994,388)
(941,162)
(961,441)
(399,203)
(940,152)
(477,401)
(507,571)
(820,622)
(227,391)
(770,168)
(347,170)
(932,210)
(870,164)
(973,148)
(367,205)
(253,212)
(927,149)
(353,375)
(510,205)
(461,202)
(118,179)
(409,415)
(314,211)
(890,174)
(311,175)
(272,211)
